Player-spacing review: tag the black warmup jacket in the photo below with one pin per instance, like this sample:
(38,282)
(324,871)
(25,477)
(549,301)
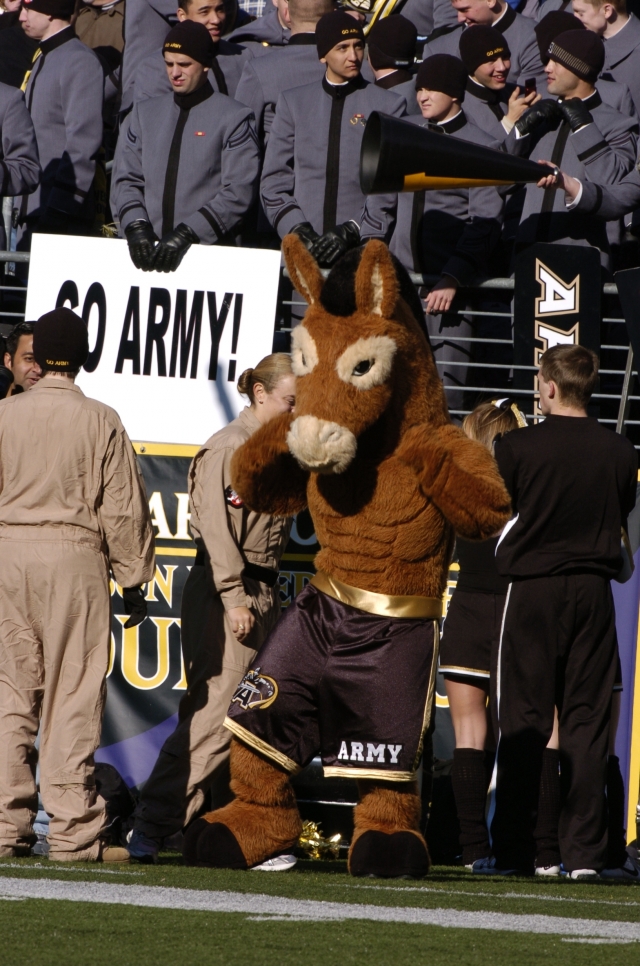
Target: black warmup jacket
(572,485)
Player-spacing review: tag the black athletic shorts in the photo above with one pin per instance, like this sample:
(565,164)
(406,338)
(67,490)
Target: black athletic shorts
(471,634)
(330,678)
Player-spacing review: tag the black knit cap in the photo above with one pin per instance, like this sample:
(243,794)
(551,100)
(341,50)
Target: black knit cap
(392,42)
(58,9)
(60,341)
(555,23)
(480,44)
(442,72)
(333,28)
(581,51)
(191,39)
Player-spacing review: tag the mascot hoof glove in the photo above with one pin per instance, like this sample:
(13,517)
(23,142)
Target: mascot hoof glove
(213,846)
(401,855)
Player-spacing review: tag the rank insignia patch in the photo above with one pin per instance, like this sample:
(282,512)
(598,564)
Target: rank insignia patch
(358,119)
(232,498)
(199,134)
(256,690)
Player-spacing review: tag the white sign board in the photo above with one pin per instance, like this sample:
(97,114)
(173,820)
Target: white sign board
(166,349)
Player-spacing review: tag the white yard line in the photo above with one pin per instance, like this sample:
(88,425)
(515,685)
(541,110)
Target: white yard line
(70,867)
(493,895)
(308,910)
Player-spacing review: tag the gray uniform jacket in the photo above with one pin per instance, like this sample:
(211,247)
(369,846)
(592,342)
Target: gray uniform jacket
(428,15)
(189,159)
(265,30)
(603,152)
(146,24)
(265,78)
(19,165)
(403,84)
(518,31)
(611,201)
(486,108)
(64,97)
(152,80)
(312,162)
(450,232)
(622,58)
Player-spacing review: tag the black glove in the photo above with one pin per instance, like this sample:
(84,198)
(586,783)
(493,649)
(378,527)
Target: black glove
(542,111)
(52,222)
(141,239)
(306,232)
(575,112)
(135,605)
(173,247)
(335,243)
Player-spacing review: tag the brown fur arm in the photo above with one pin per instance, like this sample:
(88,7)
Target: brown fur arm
(461,477)
(265,475)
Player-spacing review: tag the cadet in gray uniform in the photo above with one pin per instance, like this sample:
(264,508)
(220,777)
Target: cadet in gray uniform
(579,133)
(604,201)
(264,78)
(64,97)
(448,233)
(145,26)
(391,48)
(228,59)
(269,30)
(620,32)
(19,165)
(518,32)
(186,166)
(310,180)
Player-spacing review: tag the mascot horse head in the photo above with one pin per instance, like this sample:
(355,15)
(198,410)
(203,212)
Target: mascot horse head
(362,357)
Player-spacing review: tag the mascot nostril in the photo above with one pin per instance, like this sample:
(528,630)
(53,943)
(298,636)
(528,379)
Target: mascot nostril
(348,671)
(321,446)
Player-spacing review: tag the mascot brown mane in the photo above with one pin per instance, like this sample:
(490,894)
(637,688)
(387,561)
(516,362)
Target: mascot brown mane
(389,481)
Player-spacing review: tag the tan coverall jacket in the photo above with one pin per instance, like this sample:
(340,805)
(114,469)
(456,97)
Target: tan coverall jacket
(72,507)
(195,757)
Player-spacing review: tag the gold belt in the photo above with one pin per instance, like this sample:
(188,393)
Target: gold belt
(426,608)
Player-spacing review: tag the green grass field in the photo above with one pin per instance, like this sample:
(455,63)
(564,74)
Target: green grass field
(314,915)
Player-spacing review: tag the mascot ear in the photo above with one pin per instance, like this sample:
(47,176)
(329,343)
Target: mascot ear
(376,281)
(303,268)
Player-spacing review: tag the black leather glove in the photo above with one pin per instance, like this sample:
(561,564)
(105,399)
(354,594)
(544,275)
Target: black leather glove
(544,110)
(575,112)
(173,247)
(335,243)
(52,222)
(135,605)
(306,232)
(141,239)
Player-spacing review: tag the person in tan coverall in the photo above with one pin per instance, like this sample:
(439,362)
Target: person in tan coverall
(229,605)
(72,507)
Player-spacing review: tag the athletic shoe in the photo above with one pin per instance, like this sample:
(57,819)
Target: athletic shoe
(629,872)
(141,848)
(280,863)
(548,870)
(583,875)
(488,866)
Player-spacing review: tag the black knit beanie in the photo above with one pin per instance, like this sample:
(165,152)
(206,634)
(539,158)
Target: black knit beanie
(191,39)
(58,9)
(480,44)
(333,28)
(442,72)
(581,51)
(555,23)
(60,341)
(392,43)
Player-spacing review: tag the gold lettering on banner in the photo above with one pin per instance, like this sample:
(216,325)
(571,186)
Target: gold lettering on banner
(130,657)
(112,654)
(182,517)
(159,517)
(164,584)
(556,298)
(182,683)
(291,583)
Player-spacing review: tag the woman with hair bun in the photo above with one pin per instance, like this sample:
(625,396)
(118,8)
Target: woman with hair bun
(229,604)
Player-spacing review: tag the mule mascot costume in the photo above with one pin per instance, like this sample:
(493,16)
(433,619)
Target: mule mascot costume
(348,671)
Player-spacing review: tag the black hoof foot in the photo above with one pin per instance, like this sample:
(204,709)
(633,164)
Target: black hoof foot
(381,856)
(190,843)
(217,848)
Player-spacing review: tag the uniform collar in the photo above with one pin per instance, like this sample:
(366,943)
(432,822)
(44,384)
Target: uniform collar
(623,43)
(302,40)
(187,101)
(390,81)
(49,382)
(338,91)
(249,419)
(451,126)
(481,92)
(506,19)
(62,37)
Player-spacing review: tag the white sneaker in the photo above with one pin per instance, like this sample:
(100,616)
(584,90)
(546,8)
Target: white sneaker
(583,875)
(548,870)
(280,863)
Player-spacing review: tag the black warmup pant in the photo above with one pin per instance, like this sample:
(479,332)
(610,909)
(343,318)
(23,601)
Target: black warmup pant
(557,648)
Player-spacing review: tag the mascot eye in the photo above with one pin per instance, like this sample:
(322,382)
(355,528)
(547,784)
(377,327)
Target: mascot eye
(367,362)
(304,354)
(363,367)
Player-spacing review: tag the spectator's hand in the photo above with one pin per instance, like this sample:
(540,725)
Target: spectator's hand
(242,621)
(135,605)
(141,239)
(441,296)
(173,247)
(559,179)
(52,222)
(335,243)
(576,113)
(518,105)
(542,111)
(306,232)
